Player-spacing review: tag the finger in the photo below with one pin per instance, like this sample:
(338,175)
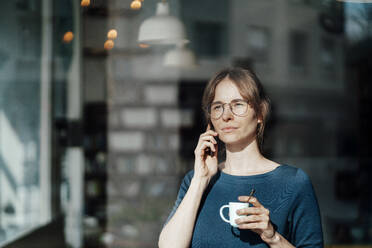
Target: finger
(249,219)
(209,127)
(209,132)
(209,144)
(201,138)
(250,226)
(209,138)
(211,153)
(250,199)
(202,145)
(251,210)
(206,144)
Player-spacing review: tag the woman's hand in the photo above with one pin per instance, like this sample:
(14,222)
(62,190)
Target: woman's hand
(205,165)
(257,219)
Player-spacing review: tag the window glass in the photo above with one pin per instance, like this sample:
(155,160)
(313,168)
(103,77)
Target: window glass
(20,90)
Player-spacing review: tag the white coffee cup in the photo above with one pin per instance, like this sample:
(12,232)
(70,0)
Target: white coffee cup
(233,207)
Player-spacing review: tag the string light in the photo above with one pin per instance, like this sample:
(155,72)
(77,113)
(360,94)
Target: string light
(142,45)
(85,3)
(109,44)
(136,4)
(112,34)
(68,37)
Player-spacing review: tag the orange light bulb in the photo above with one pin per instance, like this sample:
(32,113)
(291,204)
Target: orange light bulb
(143,45)
(68,37)
(85,3)
(136,4)
(109,44)
(112,34)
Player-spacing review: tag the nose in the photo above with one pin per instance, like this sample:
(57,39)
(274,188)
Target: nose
(227,114)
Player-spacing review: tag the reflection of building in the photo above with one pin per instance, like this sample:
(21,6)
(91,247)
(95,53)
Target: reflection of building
(145,118)
(19,134)
(12,174)
(19,198)
(301,65)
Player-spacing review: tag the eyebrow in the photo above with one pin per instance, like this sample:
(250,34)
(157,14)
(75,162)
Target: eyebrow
(234,100)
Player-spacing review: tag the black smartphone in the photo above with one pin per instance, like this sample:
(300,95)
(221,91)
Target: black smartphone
(208,150)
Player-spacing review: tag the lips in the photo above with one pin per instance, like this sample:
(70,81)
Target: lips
(228,129)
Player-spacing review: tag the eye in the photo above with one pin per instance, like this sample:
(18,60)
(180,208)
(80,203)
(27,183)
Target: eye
(216,107)
(239,104)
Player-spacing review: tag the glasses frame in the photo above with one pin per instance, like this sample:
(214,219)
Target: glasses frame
(230,106)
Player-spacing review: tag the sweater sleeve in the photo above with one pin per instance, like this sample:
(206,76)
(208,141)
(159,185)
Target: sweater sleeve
(305,228)
(181,194)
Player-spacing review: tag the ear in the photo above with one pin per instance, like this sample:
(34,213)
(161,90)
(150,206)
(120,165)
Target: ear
(259,118)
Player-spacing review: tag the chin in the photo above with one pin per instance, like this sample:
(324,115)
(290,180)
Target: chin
(232,139)
(229,138)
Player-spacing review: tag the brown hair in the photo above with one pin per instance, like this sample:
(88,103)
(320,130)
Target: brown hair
(250,88)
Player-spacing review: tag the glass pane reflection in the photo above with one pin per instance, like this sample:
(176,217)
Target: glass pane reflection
(19,117)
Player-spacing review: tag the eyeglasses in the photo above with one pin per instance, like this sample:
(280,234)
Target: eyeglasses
(238,107)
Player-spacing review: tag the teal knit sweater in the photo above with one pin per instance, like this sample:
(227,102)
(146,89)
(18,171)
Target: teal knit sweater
(286,191)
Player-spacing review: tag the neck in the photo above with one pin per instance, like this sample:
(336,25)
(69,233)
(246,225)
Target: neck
(245,160)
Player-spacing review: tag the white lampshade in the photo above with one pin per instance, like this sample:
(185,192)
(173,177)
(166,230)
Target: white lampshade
(180,56)
(162,28)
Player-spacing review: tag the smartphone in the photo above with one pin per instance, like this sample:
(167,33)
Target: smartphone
(208,150)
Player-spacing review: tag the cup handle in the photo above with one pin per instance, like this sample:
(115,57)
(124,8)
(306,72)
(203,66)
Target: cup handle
(221,213)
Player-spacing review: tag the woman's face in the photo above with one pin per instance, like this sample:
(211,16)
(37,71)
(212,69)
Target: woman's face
(233,129)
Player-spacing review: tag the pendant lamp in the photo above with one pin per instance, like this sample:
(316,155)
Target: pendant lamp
(162,29)
(180,56)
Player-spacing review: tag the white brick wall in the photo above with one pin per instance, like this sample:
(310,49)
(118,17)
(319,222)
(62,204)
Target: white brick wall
(127,188)
(139,117)
(131,189)
(114,118)
(121,68)
(174,142)
(111,190)
(126,92)
(163,165)
(144,166)
(157,142)
(126,164)
(160,94)
(157,189)
(150,67)
(176,118)
(126,141)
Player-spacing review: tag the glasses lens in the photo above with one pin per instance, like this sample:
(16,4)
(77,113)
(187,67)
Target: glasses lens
(216,110)
(239,108)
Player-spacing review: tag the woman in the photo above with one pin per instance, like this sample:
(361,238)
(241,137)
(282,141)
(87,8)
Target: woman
(284,210)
